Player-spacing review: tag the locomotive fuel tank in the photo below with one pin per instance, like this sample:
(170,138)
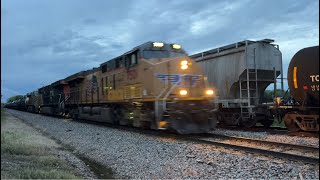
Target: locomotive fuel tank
(303,76)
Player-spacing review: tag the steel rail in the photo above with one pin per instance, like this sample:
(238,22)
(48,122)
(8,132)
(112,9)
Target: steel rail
(257,150)
(264,142)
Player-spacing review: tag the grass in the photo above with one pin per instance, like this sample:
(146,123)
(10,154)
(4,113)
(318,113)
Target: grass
(23,159)
(35,173)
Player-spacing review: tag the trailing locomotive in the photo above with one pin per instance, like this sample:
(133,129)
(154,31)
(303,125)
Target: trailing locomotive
(155,85)
(240,73)
(302,111)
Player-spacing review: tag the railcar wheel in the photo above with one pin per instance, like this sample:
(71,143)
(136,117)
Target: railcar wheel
(229,119)
(212,120)
(248,122)
(290,123)
(266,123)
(220,120)
(264,120)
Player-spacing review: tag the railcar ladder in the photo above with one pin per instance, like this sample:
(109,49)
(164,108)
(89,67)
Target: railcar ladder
(249,94)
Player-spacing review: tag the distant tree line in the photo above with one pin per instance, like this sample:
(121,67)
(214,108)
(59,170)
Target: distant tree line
(13,98)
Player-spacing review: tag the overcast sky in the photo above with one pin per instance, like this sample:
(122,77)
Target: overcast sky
(46,40)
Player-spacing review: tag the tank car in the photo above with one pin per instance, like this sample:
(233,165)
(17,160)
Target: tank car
(303,76)
(154,85)
(11,105)
(240,73)
(302,111)
(18,104)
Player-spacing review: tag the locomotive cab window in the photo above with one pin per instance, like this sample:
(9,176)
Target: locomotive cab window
(119,63)
(132,59)
(104,68)
(149,54)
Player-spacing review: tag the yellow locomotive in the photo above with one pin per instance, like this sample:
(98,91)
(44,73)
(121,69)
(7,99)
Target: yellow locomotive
(155,85)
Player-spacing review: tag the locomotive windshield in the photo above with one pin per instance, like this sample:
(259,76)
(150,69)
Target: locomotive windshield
(148,54)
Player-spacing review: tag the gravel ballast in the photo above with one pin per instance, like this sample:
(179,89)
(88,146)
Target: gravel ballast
(306,141)
(139,156)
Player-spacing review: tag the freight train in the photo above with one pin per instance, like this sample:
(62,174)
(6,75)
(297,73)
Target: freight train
(158,86)
(241,72)
(155,85)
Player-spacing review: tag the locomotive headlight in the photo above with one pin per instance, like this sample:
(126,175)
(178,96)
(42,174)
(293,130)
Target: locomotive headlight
(209,92)
(183,92)
(176,46)
(158,44)
(184,64)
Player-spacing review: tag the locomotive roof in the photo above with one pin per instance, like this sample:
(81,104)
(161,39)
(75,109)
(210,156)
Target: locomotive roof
(144,45)
(80,75)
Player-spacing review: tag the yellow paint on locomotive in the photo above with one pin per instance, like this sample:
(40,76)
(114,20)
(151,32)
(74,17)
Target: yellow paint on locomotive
(140,81)
(115,94)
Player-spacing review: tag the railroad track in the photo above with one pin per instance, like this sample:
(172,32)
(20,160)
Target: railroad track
(300,153)
(307,154)
(272,130)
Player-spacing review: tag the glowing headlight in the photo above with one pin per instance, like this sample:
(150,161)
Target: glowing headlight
(209,92)
(184,64)
(176,46)
(183,92)
(184,67)
(157,44)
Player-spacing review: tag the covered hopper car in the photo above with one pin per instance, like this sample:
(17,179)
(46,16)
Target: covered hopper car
(240,73)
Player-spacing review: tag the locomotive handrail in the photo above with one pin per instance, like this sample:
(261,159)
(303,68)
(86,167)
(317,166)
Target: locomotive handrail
(168,93)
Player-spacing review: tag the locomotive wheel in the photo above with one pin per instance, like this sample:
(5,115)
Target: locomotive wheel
(290,123)
(177,122)
(118,115)
(185,123)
